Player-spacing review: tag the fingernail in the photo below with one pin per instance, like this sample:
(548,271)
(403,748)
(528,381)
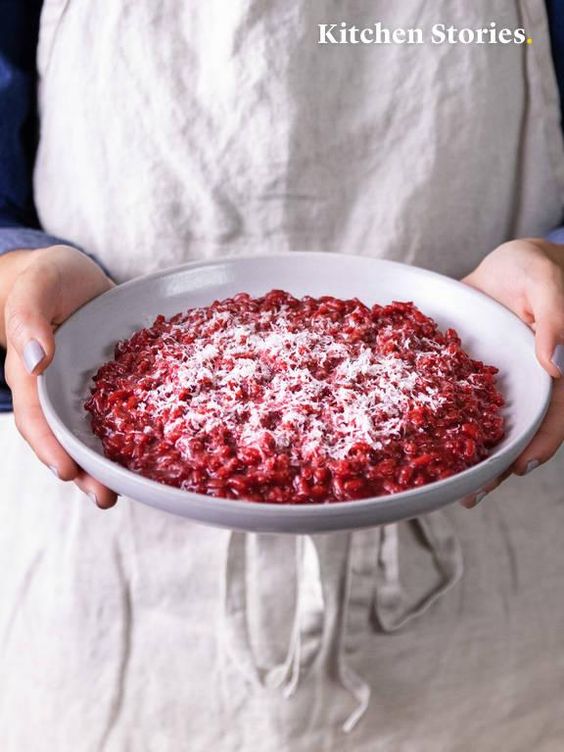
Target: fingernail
(558,358)
(531,465)
(54,470)
(91,495)
(480,497)
(33,354)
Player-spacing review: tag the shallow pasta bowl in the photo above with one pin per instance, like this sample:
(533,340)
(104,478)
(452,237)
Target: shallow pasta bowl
(489,332)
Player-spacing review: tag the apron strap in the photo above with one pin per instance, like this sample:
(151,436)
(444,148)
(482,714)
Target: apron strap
(347,562)
(284,675)
(390,607)
(358,687)
(330,594)
(342,565)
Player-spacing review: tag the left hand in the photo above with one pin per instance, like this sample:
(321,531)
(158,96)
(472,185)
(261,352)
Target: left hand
(527,276)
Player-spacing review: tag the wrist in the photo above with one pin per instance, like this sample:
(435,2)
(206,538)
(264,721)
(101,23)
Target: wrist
(553,251)
(12,264)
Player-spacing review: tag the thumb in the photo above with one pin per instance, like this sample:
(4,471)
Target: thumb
(29,314)
(547,307)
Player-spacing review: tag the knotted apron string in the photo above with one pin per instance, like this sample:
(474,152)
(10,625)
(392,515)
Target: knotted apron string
(285,675)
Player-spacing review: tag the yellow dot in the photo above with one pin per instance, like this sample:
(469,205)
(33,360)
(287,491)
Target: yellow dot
(529,40)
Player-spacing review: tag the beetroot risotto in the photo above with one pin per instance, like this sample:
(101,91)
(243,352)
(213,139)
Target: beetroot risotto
(282,400)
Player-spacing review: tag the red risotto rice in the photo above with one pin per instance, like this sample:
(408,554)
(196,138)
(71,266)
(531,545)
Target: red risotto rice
(281,400)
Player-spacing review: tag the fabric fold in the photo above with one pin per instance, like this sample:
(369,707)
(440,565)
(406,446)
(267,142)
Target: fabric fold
(286,674)
(350,576)
(390,606)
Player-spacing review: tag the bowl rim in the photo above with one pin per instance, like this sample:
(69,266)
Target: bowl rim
(267,508)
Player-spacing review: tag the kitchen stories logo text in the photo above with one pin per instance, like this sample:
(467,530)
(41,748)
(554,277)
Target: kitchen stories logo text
(344,33)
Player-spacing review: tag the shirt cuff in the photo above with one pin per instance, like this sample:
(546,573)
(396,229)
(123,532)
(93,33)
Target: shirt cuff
(25,238)
(556,235)
(5,396)
(15,238)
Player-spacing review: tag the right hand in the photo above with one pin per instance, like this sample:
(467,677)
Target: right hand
(40,289)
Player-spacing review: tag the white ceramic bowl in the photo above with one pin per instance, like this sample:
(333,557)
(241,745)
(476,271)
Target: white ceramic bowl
(489,332)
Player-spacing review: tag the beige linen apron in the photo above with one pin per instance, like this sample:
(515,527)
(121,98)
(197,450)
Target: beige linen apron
(180,130)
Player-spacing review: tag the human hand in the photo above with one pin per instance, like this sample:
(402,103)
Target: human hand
(39,290)
(527,276)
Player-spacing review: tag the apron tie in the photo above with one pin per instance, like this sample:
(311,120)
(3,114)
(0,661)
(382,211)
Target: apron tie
(336,579)
(343,561)
(286,674)
(390,605)
(363,566)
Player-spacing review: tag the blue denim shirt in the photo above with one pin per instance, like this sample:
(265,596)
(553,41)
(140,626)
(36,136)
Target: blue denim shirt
(19,226)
